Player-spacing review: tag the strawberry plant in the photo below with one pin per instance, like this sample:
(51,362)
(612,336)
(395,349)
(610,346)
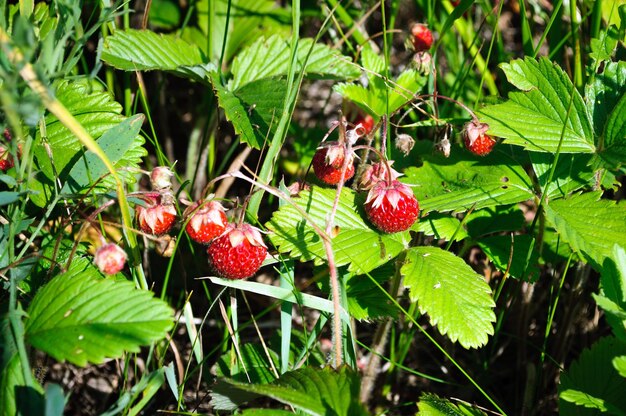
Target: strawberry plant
(257,208)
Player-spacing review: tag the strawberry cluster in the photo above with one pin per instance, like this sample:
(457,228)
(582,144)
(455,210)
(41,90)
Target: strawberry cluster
(391,206)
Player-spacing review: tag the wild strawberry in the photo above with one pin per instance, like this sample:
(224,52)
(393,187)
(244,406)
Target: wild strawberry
(161,178)
(364,122)
(391,207)
(376,173)
(206,222)
(238,252)
(476,138)
(6,159)
(159,214)
(422,37)
(328,162)
(110,258)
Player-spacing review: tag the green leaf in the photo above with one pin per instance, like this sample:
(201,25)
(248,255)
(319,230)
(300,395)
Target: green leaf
(495,220)
(255,367)
(583,399)
(248,21)
(603,93)
(81,317)
(590,225)
(382,96)
(313,391)
(433,405)
(596,380)
(116,143)
(365,300)
(269,58)
(603,46)
(535,117)
(253,109)
(96,111)
(144,50)
(16,396)
(164,14)
(620,365)
(461,181)
(523,266)
(9,197)
(572,173)
(457,299)
(441,226)
(613,277)
(357,243)
(613,147)
(266,412)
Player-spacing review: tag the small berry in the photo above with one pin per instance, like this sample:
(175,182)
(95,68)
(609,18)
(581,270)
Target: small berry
(364,122)
(238,253)
(422,37)
(159,214)
(422,61)
(476,138)
(205,223)
(110,258)
(391,207)
(328,162)
(161,178)
(6,159)
(376,173)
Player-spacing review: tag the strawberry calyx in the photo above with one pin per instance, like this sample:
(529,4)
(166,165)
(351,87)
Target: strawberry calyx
(377,172)
(159,214)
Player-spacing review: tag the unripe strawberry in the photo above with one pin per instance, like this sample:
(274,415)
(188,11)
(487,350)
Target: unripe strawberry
(422,37)
(476,138)
(391,207)
(376,173)
(238,253)
(159,214)
(161,178)
(110,258)
(328,162)
(6,159)
(206,222)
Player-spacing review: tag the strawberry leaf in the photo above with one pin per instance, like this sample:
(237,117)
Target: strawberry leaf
(441,226)
(462,181)
(247,21)
(457,299)
(590,225)
(382,97)
(98,113)
(572,172)
(253,109)
(432,405)
(357,243)
(313,391)
(603,93)
(592,382)
(269,58)
(523,262)
(83,318)
(144,50)
(535,117)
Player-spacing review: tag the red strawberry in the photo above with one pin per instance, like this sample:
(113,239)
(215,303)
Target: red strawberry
(6,159)
(328,161)
(476,138)
(366,123)
(422,37)
(205,223)
(238,252)
(391,207)
(110,258)
(159,214)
